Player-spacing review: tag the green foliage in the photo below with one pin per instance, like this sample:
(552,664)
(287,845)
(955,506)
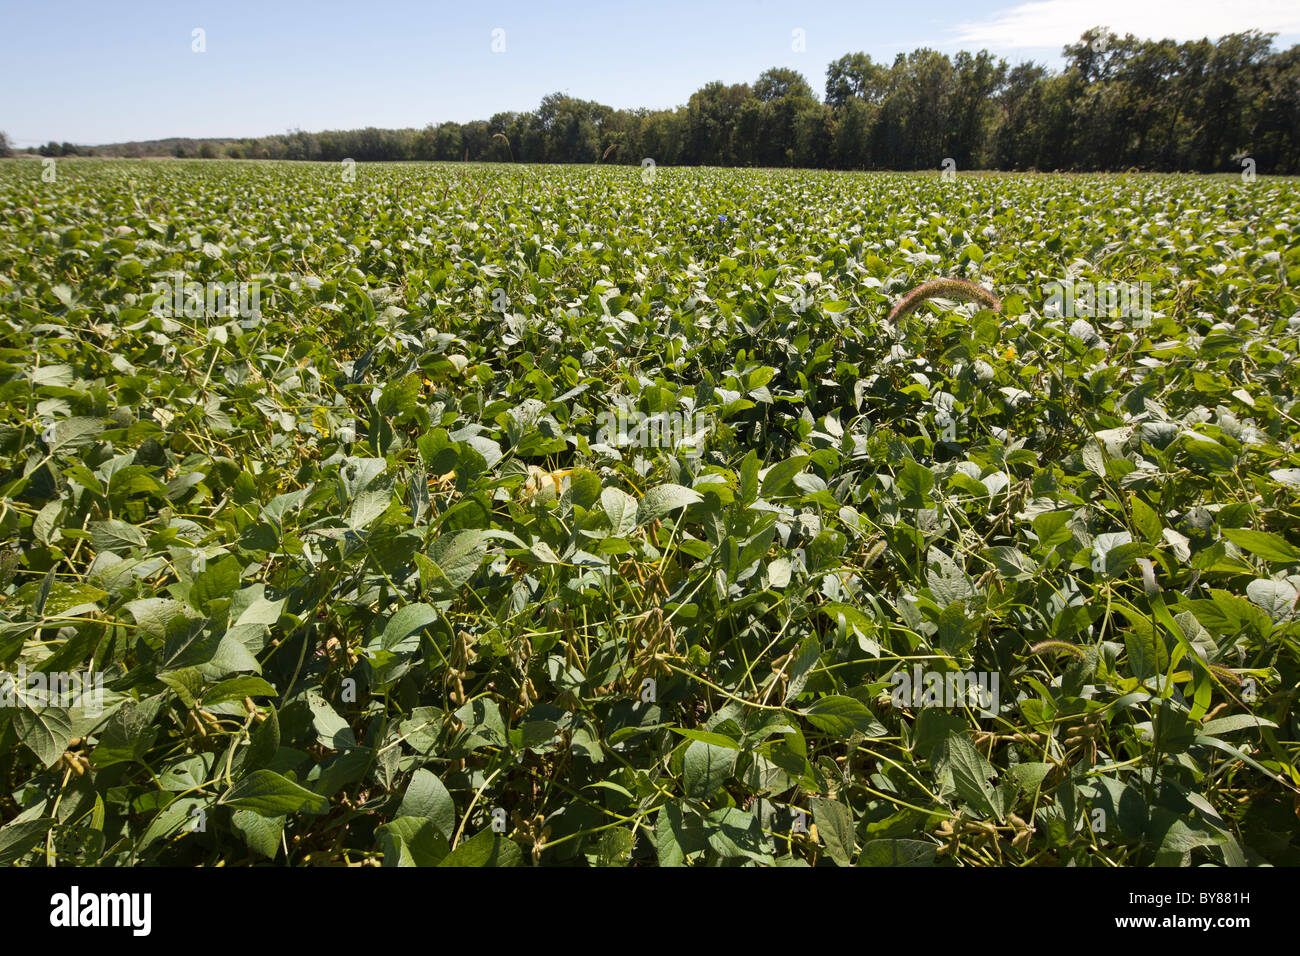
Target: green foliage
(369,582)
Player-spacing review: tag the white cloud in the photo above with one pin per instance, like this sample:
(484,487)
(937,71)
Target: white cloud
(1054,23)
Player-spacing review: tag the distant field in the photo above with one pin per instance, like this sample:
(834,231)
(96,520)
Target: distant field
(504,514)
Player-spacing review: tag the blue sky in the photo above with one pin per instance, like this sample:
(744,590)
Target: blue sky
(96,72)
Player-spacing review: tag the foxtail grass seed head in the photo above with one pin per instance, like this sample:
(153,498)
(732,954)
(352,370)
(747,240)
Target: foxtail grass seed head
(943,289)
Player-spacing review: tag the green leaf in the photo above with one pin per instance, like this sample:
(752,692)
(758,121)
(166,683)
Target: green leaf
(237,688)
(970,773)
(187,682)
(427,798)
(705,767)
(947,582)
(402,632)
(459,554)
(220,579)
(115,535)
(732,833)
(615,847)
(45,730)
(749,478)
(127,736)
(368,505)
(1228,725)
(835,825)
(1265,544)
(413,841)
(1277,598)
(271,794)
(1146,521)
(400,397)
(64,597)
(74,433)
(1052,528)
(781,474)
(851,618)
(661,500)
(841,716)
(708,737)
(176,818)
(19,836)
(1147,654)
(261,834)
(264,742)
(485,848)
(621,510)
(332,731)
(914,483)
(897,852)
(1210,456)
(679,834)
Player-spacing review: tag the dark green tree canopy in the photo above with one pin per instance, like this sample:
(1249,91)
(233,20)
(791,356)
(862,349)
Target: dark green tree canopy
(780,83)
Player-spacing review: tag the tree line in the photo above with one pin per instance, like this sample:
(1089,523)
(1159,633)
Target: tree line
(1117,104)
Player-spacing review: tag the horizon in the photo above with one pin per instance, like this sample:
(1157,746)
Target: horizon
(426,64)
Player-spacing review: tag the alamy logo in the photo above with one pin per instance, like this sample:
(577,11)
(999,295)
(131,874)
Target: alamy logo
(1101,300)
(196,300)
(74,908)
(678,431)
(64,689)
(950,690)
